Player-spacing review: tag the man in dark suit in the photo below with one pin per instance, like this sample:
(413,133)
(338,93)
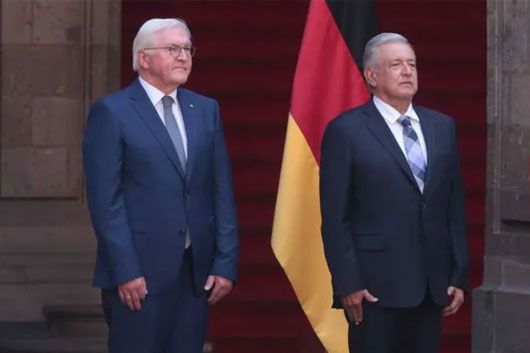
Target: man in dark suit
(393,210)
(159,192)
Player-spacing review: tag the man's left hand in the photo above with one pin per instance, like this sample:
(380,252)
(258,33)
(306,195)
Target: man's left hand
(456,303)
(220,287)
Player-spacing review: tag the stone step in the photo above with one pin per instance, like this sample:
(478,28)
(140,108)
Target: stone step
(55,345)
(63,345)
(76,320)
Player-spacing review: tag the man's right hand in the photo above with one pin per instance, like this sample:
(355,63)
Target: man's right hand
(133,292)
(353,304)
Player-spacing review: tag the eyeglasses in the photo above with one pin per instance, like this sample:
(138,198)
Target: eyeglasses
(176,50)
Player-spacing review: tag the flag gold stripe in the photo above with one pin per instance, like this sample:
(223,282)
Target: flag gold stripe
(302,257)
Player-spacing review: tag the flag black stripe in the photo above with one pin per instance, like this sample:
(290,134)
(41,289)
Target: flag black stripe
(357,22)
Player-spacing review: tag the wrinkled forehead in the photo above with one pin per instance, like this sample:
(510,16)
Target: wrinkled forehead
(396,50)
(172,35)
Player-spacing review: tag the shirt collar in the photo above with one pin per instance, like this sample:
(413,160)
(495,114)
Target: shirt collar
(390,113)
(155,95)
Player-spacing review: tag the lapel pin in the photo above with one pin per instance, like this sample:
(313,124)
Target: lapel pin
(192,106)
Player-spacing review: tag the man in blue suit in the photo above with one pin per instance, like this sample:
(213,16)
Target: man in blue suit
(393,210)
(160,196)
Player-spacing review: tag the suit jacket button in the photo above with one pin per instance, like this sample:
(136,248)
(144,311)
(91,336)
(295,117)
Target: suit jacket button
(182,232)
(187,195)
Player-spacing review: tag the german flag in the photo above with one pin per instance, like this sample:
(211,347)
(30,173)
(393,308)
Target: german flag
(328,81)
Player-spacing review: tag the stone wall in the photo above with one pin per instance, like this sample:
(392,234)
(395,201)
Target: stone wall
(57,56)
(501,310)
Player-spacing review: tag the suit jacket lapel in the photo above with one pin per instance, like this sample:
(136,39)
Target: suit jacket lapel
(377,125)
(191,123)
(148,113)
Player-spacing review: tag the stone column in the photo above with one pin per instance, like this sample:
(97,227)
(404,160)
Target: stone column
(501,306)
(57,56)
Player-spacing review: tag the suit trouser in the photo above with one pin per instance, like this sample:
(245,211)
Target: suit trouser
(397,330)
(170,322)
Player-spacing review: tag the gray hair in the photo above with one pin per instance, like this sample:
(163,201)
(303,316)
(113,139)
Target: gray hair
(145,37)
(370,50)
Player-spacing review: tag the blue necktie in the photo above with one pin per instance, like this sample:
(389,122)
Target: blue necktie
(174,133)
(173,130)
(415,156)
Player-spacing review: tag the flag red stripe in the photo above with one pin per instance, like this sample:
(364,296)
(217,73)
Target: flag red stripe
(327,81)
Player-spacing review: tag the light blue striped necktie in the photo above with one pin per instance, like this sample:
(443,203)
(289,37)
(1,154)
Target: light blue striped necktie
(413,150)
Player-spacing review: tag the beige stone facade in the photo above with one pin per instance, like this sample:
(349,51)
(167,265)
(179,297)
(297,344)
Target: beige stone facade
(57,56)
(501,306)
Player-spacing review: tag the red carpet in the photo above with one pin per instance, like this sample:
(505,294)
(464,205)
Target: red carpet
(246,57)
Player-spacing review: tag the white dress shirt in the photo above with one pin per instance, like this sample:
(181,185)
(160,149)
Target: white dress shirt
(156,95)
(391,116)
